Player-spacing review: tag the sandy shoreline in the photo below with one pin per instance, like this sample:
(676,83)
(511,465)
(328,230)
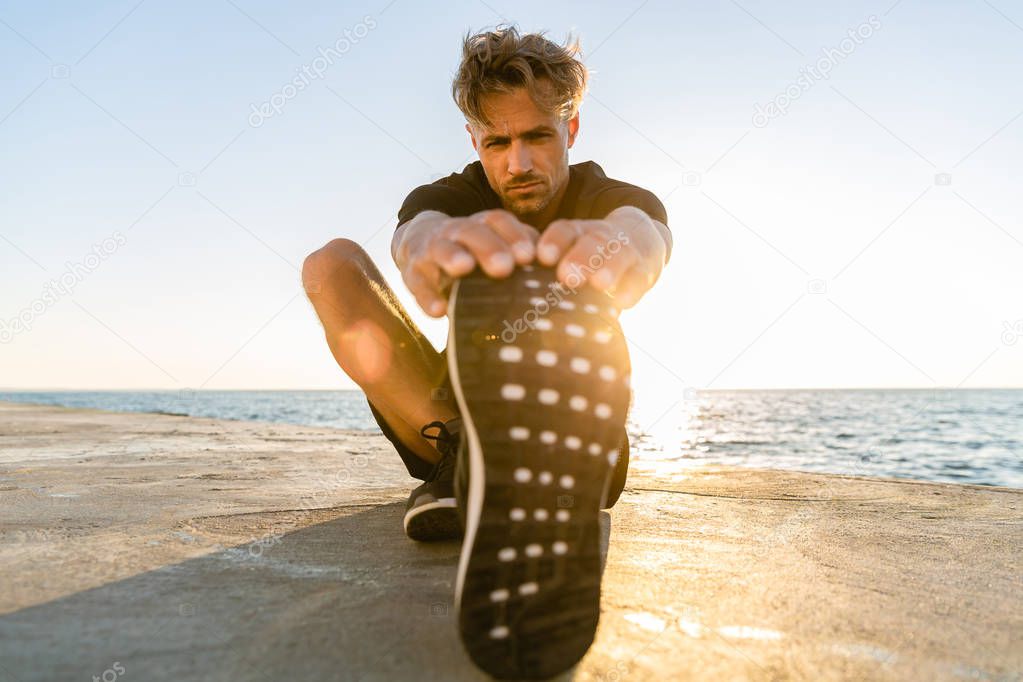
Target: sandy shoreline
(193,548)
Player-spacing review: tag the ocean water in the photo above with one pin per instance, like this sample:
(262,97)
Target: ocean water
(962,436)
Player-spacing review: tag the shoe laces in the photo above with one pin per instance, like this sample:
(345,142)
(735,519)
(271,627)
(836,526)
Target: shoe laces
(447,438)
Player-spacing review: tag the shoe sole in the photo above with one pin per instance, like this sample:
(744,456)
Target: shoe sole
(544,412)
(433,521)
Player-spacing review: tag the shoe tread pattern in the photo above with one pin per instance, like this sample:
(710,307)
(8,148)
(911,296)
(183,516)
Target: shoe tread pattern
(539,633)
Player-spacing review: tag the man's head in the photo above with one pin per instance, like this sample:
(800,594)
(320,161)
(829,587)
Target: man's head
(521,95)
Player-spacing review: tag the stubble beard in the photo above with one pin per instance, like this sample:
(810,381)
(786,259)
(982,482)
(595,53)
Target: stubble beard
(528,206)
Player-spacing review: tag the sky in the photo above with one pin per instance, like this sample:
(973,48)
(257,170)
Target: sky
(845,211)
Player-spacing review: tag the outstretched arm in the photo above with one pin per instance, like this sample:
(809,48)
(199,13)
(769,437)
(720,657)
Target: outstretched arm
(623,254)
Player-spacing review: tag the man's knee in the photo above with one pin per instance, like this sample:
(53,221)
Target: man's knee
(339,259)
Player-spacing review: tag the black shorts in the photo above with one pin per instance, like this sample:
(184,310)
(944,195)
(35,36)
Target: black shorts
(416,465)
(419,468)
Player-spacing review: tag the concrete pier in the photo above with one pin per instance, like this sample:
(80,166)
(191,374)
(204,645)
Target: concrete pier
(155,547)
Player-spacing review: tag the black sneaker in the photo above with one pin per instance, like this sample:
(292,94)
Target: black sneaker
(541,378)
(431,513)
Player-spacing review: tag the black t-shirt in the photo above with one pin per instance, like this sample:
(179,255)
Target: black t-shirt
(590,195)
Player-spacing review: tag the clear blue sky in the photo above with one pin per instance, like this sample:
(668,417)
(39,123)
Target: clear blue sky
(133,119)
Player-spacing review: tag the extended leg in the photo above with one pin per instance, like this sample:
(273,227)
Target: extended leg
(376,343)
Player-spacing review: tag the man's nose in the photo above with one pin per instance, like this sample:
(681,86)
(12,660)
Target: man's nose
(519,159)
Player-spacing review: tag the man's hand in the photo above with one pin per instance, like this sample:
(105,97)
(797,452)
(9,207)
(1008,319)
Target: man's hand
(432,249)
(623,254)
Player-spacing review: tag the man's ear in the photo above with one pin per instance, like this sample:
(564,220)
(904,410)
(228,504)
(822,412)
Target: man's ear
(471,136)
(573,128)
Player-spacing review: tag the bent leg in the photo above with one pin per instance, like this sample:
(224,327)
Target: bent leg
(376,343)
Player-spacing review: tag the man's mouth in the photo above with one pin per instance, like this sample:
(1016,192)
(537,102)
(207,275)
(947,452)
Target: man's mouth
(521,188)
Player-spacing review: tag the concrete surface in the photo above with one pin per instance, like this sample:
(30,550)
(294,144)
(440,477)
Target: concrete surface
(153,547)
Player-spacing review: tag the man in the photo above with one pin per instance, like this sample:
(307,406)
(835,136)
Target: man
(518,428)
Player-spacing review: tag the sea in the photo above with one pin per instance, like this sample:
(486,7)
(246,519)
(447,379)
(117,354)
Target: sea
(961,436)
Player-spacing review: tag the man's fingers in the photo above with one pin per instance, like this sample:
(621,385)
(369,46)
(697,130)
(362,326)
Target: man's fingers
(556,241)
(520,236)
(632,286)
(590,258)
(424,280)
(491,251)
(451,257)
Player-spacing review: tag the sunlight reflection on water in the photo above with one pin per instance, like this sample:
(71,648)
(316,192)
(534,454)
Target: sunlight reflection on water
(965,436)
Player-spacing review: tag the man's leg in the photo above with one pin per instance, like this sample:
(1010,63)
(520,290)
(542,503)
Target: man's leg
(376,343)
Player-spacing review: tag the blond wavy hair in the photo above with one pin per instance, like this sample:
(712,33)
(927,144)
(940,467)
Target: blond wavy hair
(501,60)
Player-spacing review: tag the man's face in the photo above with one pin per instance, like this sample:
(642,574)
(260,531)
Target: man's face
(524,152)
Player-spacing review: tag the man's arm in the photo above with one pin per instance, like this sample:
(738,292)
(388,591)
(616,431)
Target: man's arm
(399,242)
(636,223)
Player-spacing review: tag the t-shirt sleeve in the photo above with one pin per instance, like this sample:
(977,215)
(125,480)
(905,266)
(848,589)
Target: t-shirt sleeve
(437,197)
(630,195)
